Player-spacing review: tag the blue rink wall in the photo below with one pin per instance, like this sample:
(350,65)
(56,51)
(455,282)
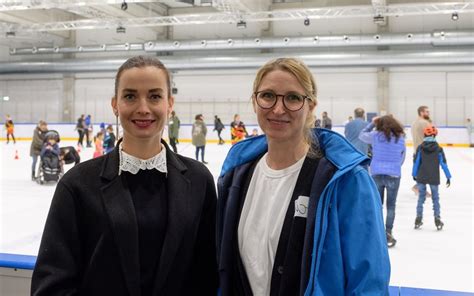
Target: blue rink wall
(449,136)
(11,264)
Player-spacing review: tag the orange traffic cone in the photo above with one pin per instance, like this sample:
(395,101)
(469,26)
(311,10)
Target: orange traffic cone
(16,154)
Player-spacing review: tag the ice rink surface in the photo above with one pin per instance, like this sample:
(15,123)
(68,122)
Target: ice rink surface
(424,258)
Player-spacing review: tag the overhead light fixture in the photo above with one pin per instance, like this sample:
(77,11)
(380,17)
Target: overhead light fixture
(121,30)
(379,19)
(124,6)
(6,98)
(10,34)
(241,24)
(455,16)
(306,22)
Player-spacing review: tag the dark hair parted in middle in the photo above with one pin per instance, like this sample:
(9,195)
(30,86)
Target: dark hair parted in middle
(140,62)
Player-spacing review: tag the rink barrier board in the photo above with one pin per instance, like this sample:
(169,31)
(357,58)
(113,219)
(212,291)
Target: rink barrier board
(27,262)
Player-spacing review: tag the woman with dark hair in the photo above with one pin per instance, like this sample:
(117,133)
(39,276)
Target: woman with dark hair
(139,220)
(388,155)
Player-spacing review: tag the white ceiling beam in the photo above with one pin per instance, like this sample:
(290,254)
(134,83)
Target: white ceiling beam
(276,15)
(65,4)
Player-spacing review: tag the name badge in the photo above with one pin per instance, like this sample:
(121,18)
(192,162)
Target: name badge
(301,206)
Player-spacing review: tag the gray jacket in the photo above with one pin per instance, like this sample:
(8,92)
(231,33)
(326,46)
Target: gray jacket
(199,132)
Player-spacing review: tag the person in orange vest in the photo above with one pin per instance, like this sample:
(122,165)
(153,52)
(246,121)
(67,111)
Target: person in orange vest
(10,127)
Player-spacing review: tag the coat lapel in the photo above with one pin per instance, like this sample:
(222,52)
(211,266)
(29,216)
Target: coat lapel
(179,213)
(121,213)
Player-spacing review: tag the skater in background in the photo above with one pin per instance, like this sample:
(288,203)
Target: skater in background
(99,145)
(37,144)
(69,155)
(10,127)
(388,155)
(470,131)
(428,158)
(80,127)
(218,126)
(353,128)
(254,133)
(417,134)
(238,132)
(88,130)
(326,122)
(297,214)
(199,132)
(173,130)
(109,139)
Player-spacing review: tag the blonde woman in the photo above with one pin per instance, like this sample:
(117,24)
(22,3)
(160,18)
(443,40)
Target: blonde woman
(297,213)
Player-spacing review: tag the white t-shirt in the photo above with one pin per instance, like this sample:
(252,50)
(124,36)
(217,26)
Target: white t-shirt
(261,221)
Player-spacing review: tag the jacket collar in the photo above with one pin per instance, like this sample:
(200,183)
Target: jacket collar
(334,146)
(122,218)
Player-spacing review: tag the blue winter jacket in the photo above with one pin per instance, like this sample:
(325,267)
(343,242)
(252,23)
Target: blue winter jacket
(349,251)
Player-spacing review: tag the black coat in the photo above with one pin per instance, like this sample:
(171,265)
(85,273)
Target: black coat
(90,241)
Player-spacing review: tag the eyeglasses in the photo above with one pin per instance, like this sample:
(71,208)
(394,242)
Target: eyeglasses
(267,99)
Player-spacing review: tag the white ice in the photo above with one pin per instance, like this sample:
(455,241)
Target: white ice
(424,258)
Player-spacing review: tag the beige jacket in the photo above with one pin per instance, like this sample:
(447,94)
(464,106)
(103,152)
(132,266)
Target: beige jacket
(417,131)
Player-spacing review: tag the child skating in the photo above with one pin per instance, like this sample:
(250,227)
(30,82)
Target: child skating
(428,158)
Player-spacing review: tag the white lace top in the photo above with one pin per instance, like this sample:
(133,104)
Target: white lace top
(132,164)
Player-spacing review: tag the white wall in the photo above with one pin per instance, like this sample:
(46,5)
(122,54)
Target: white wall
(448,94)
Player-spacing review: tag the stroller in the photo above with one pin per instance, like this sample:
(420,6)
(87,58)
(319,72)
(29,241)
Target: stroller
(50,167)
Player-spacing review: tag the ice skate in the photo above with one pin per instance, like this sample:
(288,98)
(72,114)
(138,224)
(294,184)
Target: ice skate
(391,241)
(439,224)
(418,222)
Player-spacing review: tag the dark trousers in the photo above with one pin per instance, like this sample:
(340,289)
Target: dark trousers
(88,142)
(81,137)
(391,183)
(173,144)
(8,138)
(221,141)
(202,148)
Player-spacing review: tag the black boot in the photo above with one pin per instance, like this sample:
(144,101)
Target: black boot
(439,224)
(418,222)
(391,241)
(33,178)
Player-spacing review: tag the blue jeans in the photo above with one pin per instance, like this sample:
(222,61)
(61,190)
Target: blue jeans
(391,183)
(33,166)
(202,148)
(422,198)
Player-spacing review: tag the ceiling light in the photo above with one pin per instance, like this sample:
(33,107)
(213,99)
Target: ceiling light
(124,6)
(241,24)
(306,21)
(6,98)
(455,16)
(121,29)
